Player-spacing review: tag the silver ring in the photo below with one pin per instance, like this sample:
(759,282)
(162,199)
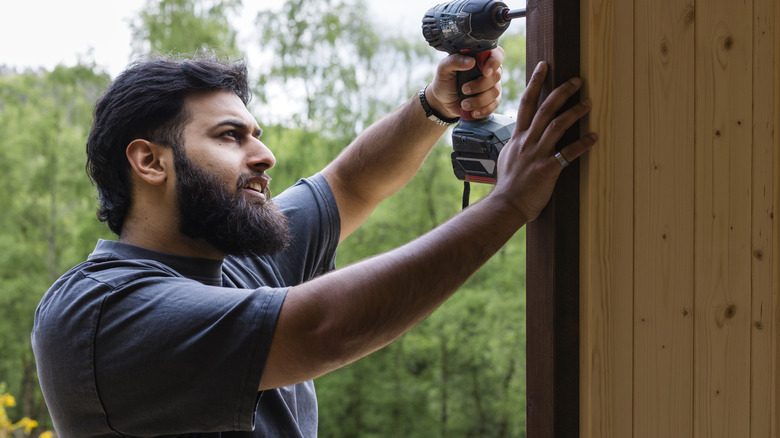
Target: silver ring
(561,160)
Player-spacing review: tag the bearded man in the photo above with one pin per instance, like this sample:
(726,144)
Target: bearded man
(218,305)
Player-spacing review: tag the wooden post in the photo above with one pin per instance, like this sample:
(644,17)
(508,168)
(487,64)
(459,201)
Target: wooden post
(553,245)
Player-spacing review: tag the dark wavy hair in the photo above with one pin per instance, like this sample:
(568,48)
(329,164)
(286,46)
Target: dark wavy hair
(147,101)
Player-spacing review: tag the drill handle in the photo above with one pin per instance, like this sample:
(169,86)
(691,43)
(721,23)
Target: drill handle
(466,76)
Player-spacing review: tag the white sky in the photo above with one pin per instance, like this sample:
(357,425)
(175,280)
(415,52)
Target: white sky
(44,33)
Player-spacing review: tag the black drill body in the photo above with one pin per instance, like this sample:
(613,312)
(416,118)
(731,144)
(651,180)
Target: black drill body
(472,27)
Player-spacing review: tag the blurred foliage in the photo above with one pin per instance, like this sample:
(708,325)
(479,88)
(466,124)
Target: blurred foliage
(326,54)
(48,222)
(459,373)
(185,26)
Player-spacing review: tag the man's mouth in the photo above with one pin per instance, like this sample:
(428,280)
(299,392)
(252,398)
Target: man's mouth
(258,188)
(255,186)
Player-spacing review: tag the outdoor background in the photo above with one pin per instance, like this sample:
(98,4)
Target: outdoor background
(322,71)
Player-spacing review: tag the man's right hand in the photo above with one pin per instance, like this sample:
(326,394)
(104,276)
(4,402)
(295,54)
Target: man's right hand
(527,166)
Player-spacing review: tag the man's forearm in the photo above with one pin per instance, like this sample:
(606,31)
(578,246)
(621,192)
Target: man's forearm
(385,157)
(381,161)
(389,153)
(349,313)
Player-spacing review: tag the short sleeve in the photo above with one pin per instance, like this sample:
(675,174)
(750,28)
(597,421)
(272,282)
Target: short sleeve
(199,351)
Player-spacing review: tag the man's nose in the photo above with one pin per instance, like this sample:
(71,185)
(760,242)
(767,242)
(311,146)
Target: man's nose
(260,157)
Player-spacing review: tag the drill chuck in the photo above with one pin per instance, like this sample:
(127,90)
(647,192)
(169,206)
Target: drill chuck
(465,26)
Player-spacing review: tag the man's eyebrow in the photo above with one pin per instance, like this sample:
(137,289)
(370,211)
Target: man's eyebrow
(241,126)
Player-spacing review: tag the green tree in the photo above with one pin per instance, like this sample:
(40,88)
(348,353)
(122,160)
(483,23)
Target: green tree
(514,44)
(186,26)
(48,222)
(325,56)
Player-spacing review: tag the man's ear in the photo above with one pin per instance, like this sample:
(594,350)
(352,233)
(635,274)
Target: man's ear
(150,161)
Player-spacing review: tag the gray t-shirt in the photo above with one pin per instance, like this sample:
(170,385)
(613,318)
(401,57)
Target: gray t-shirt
(133,342)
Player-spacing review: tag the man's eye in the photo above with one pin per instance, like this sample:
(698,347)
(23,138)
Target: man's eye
(232,134)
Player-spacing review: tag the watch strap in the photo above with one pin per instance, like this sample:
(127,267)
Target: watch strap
(431,114)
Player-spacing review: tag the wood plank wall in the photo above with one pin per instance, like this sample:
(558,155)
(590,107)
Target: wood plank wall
(680,251)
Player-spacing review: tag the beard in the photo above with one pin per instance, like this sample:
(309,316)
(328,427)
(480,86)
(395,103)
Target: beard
(234,223)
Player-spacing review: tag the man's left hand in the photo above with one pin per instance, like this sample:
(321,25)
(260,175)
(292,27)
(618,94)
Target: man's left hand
(484,92)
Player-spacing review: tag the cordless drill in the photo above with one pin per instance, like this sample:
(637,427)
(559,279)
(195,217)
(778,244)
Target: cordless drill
(472,28)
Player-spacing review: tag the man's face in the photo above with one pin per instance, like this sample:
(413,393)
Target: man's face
(222,189)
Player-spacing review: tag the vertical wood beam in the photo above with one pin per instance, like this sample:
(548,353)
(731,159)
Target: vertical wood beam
(764,248)
(723,225)
(763,324)
(664,196)
(553,245)
(775,301)
(607,222)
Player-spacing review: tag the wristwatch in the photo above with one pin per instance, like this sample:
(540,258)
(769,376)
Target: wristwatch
(431,115)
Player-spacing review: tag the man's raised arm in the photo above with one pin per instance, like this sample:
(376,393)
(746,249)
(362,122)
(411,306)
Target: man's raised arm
(388,154)
(344,315)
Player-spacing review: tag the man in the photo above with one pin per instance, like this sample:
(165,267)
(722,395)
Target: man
(215,309)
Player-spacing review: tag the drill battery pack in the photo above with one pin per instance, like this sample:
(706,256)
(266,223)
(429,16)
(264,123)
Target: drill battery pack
(476,145)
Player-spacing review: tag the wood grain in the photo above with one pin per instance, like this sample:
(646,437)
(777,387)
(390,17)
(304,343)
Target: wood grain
(664,218)
(680,248)
(606,358)
(775,264)
(763,360)
(724,56)
(553,246)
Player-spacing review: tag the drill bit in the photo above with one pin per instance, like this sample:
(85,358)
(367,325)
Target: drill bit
(507,15)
